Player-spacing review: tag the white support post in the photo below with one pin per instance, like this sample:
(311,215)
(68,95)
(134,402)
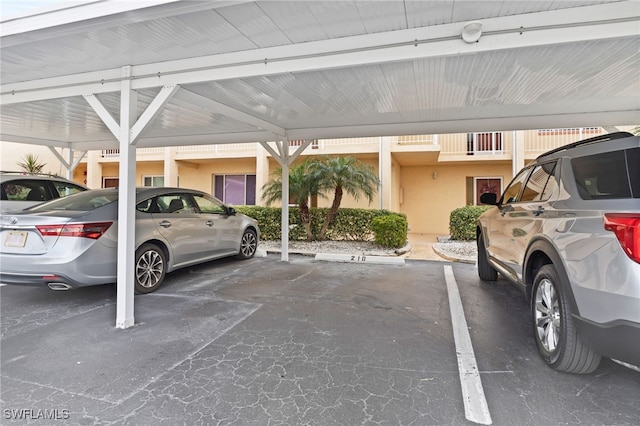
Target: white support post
(282,157)
(126,203)
(70,166)
(284,148)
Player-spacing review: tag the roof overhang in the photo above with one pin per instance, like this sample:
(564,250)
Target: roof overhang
(405,71)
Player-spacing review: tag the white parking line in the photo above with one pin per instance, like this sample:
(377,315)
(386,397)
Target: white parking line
(475,403)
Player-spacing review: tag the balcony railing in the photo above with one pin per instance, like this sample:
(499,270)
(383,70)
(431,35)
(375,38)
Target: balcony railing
(539,141)
(472,145)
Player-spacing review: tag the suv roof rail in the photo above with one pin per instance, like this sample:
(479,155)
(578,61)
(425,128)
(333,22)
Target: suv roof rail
(595,139)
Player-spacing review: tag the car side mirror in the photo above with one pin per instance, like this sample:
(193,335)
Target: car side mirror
(231,211)
(489,198)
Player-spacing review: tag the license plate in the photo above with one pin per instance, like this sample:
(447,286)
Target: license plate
(15,239)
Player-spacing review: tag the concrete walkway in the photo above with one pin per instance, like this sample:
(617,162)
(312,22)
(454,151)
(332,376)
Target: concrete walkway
(422,247)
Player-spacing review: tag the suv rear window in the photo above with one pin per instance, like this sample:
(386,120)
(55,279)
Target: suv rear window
(608,175)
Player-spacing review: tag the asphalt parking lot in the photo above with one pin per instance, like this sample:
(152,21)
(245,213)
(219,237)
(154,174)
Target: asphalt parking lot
(262,342)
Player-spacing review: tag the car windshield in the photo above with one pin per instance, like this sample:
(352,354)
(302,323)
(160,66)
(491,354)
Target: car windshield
(83,201)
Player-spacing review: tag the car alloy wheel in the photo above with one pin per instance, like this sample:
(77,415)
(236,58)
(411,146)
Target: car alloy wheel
(555,333)
(547,315)
(248,244)
(150,268)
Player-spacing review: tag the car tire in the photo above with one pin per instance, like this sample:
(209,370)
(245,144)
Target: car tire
(486,272)
(248,244)
(150,269)
(553,327)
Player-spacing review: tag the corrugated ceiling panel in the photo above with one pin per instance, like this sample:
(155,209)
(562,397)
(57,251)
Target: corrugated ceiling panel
(475,10)
(338,18)
(425,13)
(251,21)
(70,119)
(382,16)
(457,87)
(294,19)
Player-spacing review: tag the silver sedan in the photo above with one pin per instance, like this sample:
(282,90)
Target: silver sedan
(72,241)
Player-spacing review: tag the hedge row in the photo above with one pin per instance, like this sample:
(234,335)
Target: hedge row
(349,224)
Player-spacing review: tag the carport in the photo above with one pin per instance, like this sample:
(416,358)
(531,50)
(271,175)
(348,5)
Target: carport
(125,75)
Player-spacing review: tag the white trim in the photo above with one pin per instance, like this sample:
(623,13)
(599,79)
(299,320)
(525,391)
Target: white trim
(476,408)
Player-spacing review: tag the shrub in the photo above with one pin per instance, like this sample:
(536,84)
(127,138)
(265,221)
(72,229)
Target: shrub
(462,222)
(390,230)
(349,224)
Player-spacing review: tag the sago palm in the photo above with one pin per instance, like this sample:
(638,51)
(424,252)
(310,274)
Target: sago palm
(342,174)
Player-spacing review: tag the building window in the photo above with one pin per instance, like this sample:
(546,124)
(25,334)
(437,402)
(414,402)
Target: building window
(153,181)
(239,190)
(476,186)
(484,143)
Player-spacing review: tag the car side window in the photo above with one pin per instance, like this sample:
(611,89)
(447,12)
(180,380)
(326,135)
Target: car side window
(209,205)
(536,187)
(512,192)
(26,190)
(606,175)
(174,204)
(63,189)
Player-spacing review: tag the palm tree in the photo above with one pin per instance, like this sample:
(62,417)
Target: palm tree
(342,174)
(301,187)
(31,164)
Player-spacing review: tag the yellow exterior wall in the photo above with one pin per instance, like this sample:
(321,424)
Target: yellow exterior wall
(200,176)
(427,202)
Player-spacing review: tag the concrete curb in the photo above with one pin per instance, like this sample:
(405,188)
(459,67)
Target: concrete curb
(453,258)
(360,258)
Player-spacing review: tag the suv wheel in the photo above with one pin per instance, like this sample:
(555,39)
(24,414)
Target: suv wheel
(554,330)
(485,270)
(151,267)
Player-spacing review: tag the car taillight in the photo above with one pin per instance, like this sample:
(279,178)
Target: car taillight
(626,226)
(84,230)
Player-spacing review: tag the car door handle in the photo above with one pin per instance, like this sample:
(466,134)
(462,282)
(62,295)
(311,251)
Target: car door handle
(165,223)
(209,223)
(538,211)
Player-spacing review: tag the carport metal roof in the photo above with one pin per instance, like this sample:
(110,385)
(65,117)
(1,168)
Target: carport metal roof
(109,74)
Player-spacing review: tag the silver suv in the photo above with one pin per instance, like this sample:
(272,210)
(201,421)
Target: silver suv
(20,190)
(566,231)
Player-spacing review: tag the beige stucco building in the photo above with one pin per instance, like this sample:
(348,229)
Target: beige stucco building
(424,176)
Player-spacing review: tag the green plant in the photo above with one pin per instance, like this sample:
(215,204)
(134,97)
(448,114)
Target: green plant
(314,178)
(349,224)
(31,164)
(462,222)
(390,230)
(340,175)
(302,185)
